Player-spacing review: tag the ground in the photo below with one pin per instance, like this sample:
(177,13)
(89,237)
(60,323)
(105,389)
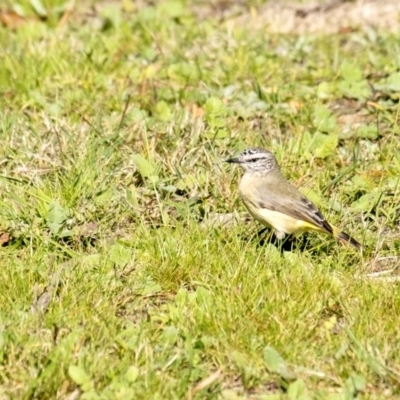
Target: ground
(129,267)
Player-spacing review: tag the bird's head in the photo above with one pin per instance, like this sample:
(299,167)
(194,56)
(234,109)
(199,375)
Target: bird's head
(255,160)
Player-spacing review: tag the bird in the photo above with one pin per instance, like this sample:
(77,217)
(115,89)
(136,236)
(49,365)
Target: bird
(276,203)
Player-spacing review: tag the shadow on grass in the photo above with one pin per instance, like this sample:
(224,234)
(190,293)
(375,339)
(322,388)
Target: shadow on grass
(289,243)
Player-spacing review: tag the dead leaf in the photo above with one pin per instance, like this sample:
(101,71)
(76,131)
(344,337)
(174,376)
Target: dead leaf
(205,382)
(196,110)
(90,228)
(10,19)
(5,238)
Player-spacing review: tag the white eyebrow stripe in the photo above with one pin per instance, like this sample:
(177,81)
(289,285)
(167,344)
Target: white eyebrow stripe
(256,155)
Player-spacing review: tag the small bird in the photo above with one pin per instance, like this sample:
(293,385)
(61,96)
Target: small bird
(275,202)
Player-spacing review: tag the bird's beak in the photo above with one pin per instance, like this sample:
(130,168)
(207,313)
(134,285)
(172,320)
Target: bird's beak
(233,160)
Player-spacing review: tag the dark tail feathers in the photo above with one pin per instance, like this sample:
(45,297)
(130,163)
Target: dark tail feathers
(343,236)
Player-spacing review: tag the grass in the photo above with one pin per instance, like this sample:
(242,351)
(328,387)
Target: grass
(114,281)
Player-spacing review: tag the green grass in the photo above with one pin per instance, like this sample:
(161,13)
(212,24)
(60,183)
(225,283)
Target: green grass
(115,283)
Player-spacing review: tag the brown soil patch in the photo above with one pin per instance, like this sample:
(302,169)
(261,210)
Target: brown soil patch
(332,16)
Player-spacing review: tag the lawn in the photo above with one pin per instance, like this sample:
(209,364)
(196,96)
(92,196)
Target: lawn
(129,267)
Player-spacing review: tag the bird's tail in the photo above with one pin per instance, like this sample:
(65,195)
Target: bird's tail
(344,238)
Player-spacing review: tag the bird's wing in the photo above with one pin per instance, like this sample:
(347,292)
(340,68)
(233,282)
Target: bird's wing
(286,199)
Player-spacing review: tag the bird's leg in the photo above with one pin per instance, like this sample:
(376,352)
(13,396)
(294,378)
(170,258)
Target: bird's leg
(262,234)
(262,231)
(282,241)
